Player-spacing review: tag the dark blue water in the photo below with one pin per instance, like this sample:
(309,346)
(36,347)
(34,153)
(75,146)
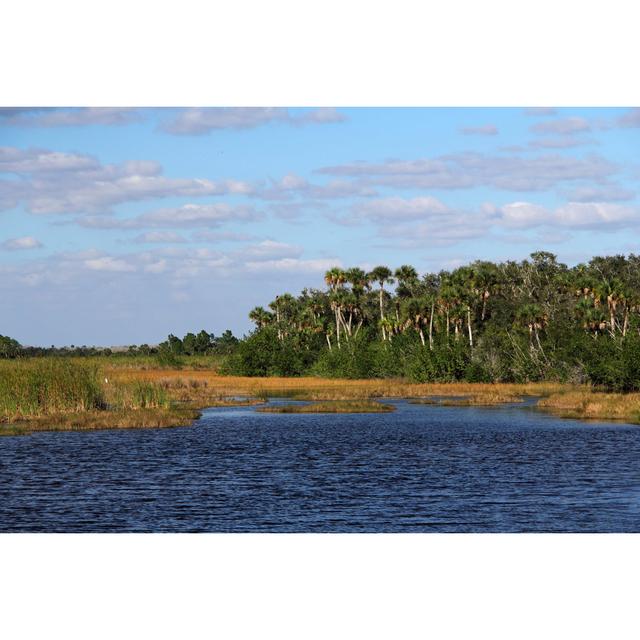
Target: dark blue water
(422,468)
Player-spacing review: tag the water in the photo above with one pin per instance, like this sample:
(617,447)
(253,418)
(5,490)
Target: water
(422,468)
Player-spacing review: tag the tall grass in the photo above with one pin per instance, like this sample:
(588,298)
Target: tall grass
(45,386)
(138,394)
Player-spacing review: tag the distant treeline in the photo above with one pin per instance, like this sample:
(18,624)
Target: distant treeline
(202,343)
(537,319)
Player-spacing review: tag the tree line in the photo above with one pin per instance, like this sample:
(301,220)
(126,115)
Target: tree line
(202,343)
(536,319)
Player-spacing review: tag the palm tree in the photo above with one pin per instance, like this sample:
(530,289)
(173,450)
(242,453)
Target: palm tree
(334,278)
(382,275)
(260,316)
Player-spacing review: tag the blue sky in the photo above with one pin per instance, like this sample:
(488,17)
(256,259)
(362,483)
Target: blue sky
(122,225)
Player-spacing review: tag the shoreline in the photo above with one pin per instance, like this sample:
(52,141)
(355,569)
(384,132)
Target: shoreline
(188,392)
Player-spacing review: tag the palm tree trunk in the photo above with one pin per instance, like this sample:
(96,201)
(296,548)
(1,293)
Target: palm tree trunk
(469,327)
(328,341)
(421,336)
(431,327)
(384,337)
(625,324)
(337,328)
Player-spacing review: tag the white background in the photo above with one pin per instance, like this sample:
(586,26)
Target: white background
(335,54)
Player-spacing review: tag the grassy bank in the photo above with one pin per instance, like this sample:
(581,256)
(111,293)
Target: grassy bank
(332,406)
(588,405)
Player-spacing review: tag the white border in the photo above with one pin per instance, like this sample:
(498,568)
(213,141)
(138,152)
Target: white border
(331,53)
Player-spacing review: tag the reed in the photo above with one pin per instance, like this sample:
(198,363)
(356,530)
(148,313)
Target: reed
(46,386)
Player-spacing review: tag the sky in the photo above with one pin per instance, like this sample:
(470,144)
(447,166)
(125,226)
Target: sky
(122,225)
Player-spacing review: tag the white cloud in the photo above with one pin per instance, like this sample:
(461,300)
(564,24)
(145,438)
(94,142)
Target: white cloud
(160,237)
(220,236)
(572,124)
(197,215)
(108,263)
(292,185)
(576,215)
(21,244)
(631,119)
(540,111)
(54,182)
(605,193)
(293,265)
(484,130)
(269,250)
(69,117)
(469,170)
(559,142)
(399,209)
(524,215)
(597,214)
(200,121)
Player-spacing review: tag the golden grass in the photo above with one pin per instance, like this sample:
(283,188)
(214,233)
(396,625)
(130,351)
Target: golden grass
(332,406)
(311,388)
(92,420)
(591,405)
(487,399)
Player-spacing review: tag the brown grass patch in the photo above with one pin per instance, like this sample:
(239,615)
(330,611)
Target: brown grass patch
(591,405)
(91,420)
(310,388)
(332,406)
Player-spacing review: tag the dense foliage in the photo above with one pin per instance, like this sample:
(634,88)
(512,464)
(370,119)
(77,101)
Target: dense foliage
(511,322)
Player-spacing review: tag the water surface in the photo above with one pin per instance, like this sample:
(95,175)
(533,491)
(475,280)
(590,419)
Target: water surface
(423,468)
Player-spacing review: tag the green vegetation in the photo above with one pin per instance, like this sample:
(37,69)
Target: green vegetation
(64,393)
(201,347)
(516,322)
(48,386)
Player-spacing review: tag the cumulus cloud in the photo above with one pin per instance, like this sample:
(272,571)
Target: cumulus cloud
(484,130)
(55,182)
(468,170)
(569,125)
(575,215)
(523,215)
(200,121)
(21,244)
(69,117)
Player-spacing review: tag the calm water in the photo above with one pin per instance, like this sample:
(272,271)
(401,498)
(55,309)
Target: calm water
(422,468)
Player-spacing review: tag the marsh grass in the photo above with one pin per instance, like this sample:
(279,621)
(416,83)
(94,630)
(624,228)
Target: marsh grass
(137,394)
(590,405)
(115,419)
(310,388)
(332,406)
(46,386)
